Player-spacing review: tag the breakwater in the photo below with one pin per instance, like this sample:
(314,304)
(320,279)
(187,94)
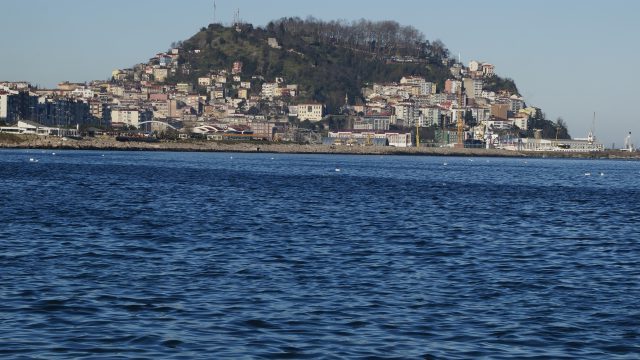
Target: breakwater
(110,143)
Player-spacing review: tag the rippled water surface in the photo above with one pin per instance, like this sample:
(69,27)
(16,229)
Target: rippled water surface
(193,255)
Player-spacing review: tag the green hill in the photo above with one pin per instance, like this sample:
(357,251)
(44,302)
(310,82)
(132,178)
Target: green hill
(326,60)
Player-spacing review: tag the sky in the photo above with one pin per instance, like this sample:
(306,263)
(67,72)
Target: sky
(571,58)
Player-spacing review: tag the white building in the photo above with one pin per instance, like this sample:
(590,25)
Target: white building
(269,90)
(406,111)
(122,117)
(311,112)
(83,92)
(4,100)
(204,81)
(392,139)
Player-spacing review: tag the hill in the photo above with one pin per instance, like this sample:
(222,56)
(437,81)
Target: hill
(326,59)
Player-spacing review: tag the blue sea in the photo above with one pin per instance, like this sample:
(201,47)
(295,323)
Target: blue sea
(149,255)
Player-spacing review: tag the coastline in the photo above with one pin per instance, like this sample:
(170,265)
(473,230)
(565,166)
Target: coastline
(110,144)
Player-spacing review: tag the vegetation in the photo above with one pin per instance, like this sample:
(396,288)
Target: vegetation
(549,129)
(327,60)
(497,84)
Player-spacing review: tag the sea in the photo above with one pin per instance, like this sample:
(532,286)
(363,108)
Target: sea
(170,255)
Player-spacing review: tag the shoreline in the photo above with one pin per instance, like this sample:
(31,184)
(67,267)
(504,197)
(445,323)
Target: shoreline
(110,144)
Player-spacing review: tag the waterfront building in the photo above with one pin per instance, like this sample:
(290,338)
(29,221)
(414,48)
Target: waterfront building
(369,138)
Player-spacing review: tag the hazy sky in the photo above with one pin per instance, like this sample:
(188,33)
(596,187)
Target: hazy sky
(570,58)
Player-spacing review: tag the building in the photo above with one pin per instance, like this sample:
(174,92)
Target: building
(121,117)
(574,145)
(488,70)
(4,97)
(369,138)
(521,120)
(373,123)
(406,111)
(160,74)
(237,67)
(311,112)
(452,86)
(30,127)
(184,88)
(431,115)
(21,106)
(500,111)
(517,103)
(204,81)
(473,87)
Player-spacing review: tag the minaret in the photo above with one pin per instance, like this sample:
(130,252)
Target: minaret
(591,138)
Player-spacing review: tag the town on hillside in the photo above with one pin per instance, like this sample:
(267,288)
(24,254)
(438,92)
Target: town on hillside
(235,105)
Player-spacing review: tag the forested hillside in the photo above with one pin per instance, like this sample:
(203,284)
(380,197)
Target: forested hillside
(326,59)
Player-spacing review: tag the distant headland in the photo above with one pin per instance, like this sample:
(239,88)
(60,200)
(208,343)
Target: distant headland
(335,83)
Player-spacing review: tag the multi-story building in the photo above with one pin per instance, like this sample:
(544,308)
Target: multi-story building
(516,103)
(4,97)
(21,106)
(488,70)
(452,86)
(121,117)
(473,87)
(269,90)
(406,111)
(311,112)
(184,88)
(64,112)
(431,116)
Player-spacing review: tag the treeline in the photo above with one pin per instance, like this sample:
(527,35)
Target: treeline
(379,38)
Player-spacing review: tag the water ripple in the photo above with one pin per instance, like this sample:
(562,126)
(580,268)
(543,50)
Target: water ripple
(176,255)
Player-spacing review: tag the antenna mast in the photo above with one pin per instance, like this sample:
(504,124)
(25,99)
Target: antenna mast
(214,12)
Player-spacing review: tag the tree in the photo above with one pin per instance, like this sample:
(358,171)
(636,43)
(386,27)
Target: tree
(561,129)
